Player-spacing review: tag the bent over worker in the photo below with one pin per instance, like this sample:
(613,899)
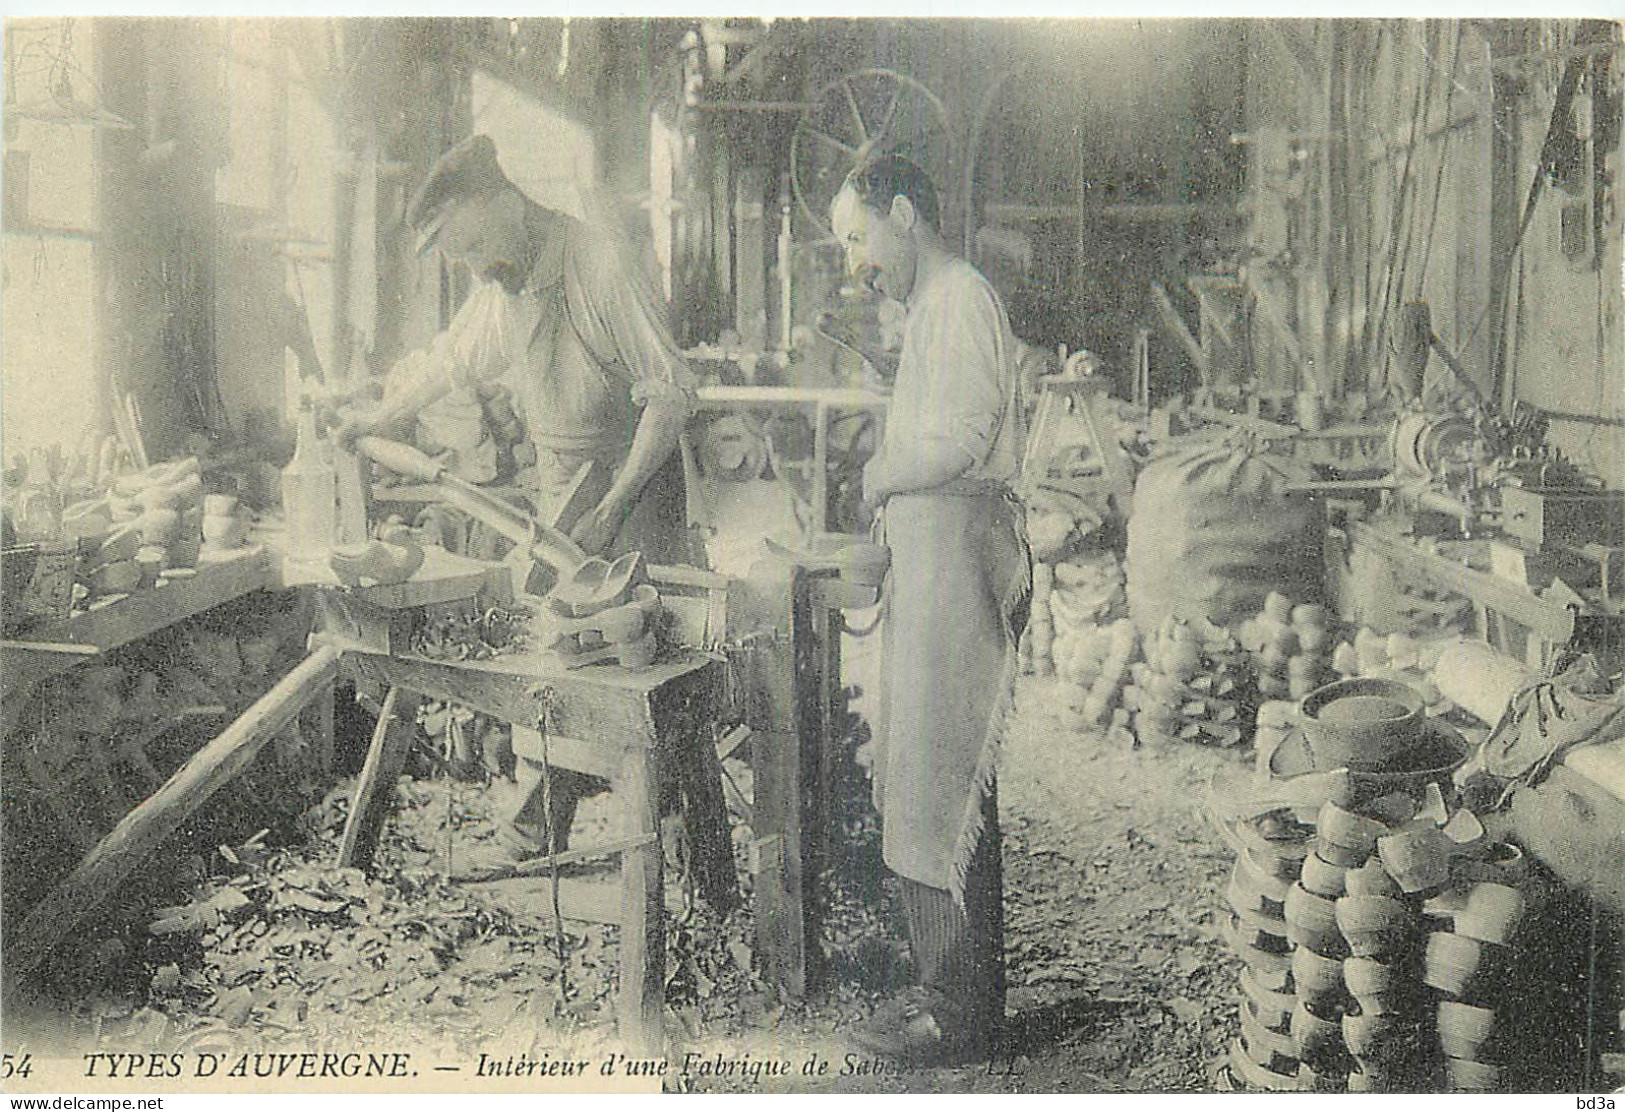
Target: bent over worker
(956,605)
(564,320)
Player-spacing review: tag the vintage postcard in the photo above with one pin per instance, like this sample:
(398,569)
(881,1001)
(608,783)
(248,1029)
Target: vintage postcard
(725,554)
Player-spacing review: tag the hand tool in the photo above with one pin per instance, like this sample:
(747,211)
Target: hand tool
(535,542)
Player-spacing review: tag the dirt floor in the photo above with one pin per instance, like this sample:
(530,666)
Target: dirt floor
(1114,880)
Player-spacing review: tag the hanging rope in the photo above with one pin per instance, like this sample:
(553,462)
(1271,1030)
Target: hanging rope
(546,705)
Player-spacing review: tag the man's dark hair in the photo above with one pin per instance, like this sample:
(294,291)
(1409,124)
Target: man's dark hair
(877,181)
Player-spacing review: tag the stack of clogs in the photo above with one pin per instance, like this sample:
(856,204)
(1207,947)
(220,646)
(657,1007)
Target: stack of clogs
(1349,871)
(1396,656)
(1078,633)
(1469,955)
(1291,647)
(1194,685)
(1071,599)
(154,527)
(1270,853)
(602,611)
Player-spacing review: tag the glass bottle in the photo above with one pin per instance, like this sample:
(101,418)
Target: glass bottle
(309,493)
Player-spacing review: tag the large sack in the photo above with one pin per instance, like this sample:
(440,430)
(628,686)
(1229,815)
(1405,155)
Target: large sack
(1213,532)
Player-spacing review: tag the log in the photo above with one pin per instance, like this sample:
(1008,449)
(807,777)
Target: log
(116,856)
(1473,675)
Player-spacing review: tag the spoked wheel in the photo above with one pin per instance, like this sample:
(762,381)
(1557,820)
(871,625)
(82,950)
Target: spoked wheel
(867,112)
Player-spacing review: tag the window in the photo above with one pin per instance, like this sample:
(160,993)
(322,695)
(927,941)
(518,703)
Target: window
(50,223)
(276,197)
(270,198)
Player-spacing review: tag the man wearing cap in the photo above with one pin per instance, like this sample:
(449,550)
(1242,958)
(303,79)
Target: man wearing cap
(564,320)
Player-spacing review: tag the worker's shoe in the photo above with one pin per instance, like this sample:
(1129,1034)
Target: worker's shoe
(923,1027)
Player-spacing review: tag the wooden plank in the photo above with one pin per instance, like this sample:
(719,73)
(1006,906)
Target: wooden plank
(374,790)
(582,899)
(444,577)
(508,698)
(642,990)
(541,866)
(67,647)
(732,741)
(597,712)
(116,856)
(1554,623)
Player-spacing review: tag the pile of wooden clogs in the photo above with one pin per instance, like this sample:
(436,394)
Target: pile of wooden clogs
(1397,656)
(1194,685)
(1072,598)
(1376,937)
(1290,646)
(603,610)
(149,525)
(1469,955)
(1078,633)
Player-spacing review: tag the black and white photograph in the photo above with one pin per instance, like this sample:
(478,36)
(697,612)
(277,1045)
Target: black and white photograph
(970,552)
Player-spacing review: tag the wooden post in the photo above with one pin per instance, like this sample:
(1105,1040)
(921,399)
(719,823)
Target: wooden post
(318,724)
(705,816)
(768,605)
(386,756)
(820,477)
(643,912)
(116,856)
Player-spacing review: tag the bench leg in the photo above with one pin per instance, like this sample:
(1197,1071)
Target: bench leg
(643,913)
(710,838)
(386,756)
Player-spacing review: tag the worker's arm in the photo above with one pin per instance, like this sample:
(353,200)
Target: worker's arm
(656,438)
(613,307)
(928,464)
(480,343)
(945,412)
(393,418)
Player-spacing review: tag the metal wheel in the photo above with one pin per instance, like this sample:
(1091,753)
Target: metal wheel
(862,113)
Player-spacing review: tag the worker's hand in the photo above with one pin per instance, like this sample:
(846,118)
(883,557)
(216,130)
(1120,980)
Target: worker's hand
(350,429)
(597,528)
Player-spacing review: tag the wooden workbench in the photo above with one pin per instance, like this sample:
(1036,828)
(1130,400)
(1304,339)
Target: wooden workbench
(634,727)
(141,614)
(1548,619)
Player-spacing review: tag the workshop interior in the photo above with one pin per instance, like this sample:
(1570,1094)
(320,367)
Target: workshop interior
(1314,773)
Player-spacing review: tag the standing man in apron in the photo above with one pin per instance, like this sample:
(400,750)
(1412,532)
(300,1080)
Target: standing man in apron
(956,605)
(568,323)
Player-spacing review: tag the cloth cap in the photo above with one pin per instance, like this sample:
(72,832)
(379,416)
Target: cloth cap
(469,169)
